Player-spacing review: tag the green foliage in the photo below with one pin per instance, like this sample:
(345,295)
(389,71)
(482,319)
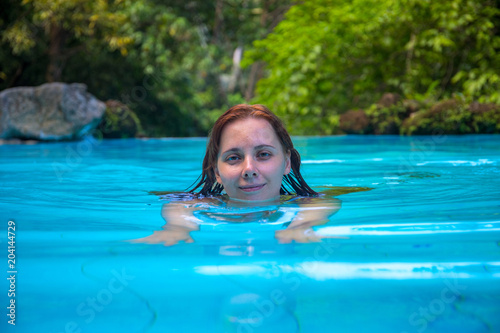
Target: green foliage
(45,34)
(386,120)
(447,117)
(167,60)
(118,122)
(486,118)
(409,117)
(171,61)
(329,56)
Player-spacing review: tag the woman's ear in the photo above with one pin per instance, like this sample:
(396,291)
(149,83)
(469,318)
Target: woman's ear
(217,175)
(288,163)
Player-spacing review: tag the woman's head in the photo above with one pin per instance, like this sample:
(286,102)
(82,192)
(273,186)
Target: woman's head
(251,155)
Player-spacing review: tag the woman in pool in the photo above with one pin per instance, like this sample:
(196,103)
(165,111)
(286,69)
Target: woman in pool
(250,157)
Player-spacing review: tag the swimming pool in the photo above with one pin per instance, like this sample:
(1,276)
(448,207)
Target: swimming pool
(420,251)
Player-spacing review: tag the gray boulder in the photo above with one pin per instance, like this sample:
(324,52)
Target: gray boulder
(52,111)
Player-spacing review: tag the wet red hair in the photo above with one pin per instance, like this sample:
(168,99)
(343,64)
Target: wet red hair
(293,183)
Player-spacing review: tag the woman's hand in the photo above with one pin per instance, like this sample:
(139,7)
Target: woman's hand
(168,237)
(299,235)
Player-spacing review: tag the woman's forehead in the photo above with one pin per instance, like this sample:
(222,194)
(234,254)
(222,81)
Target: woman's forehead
(248,129)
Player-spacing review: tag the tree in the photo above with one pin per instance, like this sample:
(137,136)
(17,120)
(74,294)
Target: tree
(328,56)
(63,27)
(174,62)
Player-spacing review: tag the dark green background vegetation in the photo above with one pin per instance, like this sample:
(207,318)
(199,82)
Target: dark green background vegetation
(171,62)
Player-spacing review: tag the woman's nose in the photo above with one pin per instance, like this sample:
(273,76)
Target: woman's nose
(249,171)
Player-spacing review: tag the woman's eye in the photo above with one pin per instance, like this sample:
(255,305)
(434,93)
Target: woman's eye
(264,155)
(232,158)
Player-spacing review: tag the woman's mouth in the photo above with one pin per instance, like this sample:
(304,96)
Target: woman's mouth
(252,188)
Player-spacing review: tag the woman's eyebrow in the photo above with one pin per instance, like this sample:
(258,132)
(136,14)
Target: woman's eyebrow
(231,150)
(264,146)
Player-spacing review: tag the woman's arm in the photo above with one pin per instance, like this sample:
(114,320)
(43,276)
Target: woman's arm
(312,212)
(179,222)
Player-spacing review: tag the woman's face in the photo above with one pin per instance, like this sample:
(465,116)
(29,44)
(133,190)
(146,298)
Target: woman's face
(251,162)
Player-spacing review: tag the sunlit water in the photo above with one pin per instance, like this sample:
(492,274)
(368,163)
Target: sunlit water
(413,248)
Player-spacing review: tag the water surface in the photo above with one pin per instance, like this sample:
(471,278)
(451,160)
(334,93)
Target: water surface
(419,252)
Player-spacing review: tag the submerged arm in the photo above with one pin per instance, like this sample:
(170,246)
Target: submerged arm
(180,221)
(312,212)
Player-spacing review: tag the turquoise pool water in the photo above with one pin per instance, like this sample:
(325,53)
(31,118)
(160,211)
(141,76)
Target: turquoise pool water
(419,252)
